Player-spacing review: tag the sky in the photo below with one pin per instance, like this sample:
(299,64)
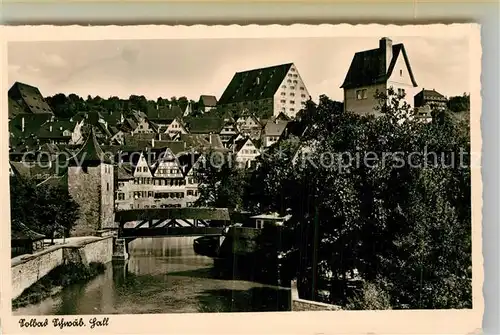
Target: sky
(191,67)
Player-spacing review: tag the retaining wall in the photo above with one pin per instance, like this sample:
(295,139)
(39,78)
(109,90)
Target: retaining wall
(308,305)
(29,269)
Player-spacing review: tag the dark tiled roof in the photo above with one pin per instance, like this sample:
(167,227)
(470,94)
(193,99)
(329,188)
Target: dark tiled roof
(208,100)
(165,114)
(275,128)
(14,108)
(32,122)
(430,94)
(90,152)
(30,97)
(124,171)
(241,142)
(56,181)
(368,67)
(204,125)
(112,118)
(244,85)
(33,171)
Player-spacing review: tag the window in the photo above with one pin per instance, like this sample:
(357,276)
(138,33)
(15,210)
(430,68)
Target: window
(361,94)
(289,81)
(121,196)
(303,95)
(292,69)
(292,87)
(283,101)
(292,94)
(283,93)
(292,109)
(302,88)
(295,81)
(107,186)
(284,86)
(292,101)
(401,91)
(400,73)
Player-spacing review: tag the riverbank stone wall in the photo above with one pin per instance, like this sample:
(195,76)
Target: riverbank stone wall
(27,270)
(308,305)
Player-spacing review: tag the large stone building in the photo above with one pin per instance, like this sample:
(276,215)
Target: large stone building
(266,92)
(377,70)
(24,98)
(91,185)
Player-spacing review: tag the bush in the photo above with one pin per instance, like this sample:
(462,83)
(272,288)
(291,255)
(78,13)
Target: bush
(371,297)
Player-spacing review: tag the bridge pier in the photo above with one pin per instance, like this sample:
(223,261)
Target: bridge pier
(120,249)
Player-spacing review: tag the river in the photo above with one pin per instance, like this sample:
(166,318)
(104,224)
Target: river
(162,275)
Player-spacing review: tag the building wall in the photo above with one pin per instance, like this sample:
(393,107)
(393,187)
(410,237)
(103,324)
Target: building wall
(85,188)
(247,154)
(400,79)
(363,106)
(292,94)
(27,271)
(107,197)
(142,127)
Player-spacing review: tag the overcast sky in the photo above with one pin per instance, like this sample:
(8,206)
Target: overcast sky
(166,68)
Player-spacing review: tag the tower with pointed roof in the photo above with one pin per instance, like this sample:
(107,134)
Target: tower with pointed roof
(91,184)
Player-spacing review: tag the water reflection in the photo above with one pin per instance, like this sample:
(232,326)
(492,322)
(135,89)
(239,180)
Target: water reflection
(163,275)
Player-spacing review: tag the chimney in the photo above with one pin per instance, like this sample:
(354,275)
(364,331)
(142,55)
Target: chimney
(385,45)
(22,124)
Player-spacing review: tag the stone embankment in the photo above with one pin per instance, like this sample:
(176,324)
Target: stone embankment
(308,305)
(28,269)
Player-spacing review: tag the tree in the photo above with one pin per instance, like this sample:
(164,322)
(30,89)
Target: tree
(221,183)
(459,103)
(51,209)
(382,211)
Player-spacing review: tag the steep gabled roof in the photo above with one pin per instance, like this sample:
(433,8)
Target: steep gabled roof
(208,100)
(246,87)
(30,97)
(368,67)
(238,144)
(275,128)
(90,152)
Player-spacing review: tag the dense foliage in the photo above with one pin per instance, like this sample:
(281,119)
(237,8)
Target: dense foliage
(459,103)
(68,106)
(389,196)
(46,209)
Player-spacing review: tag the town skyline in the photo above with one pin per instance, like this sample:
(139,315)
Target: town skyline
(137,67)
